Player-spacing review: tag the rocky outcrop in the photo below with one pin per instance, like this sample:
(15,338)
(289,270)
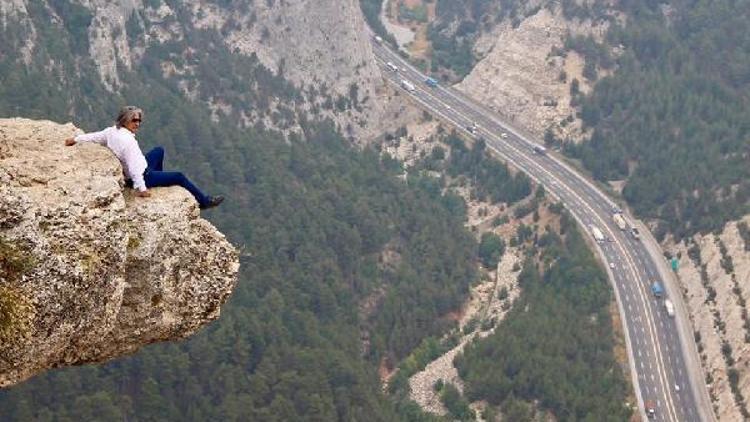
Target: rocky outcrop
(485,307)
(521,78)
(88,271)
(714,274)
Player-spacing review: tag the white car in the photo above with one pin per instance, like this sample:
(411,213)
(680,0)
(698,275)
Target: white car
(504,135)
(392,66)
(612,265)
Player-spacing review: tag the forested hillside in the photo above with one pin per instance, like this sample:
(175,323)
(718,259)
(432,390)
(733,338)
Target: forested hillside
(554,351)
(344,266)
(674,118)
(323,229)
(312,218)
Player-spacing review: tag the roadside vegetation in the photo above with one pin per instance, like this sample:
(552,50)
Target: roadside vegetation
(673,120)
(554,350)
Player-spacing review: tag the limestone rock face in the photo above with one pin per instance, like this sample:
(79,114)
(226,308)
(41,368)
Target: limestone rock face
(519,76)
(88,271)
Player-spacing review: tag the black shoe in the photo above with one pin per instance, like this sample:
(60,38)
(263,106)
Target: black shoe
(213,201)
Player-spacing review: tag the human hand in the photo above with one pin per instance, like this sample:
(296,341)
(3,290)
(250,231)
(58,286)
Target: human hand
(142,194)
(70,142)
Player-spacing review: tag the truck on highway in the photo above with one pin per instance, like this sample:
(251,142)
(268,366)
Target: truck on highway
(431,82)
(657,289)
(598,236)
(650,407)
(669,306)
(408,85)
(620,221)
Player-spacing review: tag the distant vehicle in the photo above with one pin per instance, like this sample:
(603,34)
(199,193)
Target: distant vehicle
(650,407)
(616,210)
(431,82)
(391,66)
(669,306)
(634,232)
(408,85)
(472,128)
(538,149)
(677,388)
(612,265)
(657,289)
(504,135)
(598,236)
(379,39)
(620,221)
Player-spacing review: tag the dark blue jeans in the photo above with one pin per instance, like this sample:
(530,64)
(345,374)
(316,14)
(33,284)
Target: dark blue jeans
(155,176)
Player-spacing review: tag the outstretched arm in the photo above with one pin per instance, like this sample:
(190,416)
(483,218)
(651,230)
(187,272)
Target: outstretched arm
(98,137)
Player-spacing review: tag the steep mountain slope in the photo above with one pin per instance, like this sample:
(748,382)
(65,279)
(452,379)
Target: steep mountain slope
(323,229)
(210,51)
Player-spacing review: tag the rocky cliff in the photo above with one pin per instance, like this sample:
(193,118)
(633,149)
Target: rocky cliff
(89,272)
(523,75)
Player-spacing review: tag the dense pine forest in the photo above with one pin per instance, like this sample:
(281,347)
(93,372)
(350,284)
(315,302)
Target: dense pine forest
(674,118)
(325,232)
(314,219)
(554,351)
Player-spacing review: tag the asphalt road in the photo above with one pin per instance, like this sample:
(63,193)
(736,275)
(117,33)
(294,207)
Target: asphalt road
(662,354)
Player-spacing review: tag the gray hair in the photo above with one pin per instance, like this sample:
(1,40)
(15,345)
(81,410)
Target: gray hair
(127,114)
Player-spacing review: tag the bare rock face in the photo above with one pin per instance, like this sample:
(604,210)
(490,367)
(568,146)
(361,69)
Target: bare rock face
(89,272)
(714,273)
(520,77)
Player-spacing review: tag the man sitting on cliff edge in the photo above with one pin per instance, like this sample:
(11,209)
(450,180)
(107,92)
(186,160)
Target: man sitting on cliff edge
(141,172)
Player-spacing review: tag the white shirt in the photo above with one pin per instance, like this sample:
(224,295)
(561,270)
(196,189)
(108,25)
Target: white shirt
(123,143)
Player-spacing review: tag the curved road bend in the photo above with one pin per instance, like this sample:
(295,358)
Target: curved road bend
(657,344)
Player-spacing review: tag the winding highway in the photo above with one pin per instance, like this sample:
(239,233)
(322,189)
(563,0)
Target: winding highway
(665,369)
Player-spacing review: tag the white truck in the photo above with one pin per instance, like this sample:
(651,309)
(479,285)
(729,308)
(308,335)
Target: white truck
(598,236)
(669,306)
(408,85)
(622,224)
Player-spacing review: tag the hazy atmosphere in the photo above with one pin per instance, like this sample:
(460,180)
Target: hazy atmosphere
(374,210)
